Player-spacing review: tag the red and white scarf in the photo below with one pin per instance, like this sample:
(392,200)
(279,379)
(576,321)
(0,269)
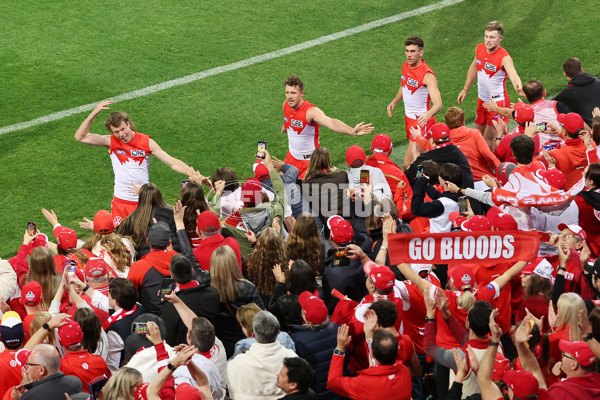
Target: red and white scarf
(191,284)
(119,315)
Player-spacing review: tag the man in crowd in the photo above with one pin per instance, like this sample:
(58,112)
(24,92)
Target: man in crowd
(130,156)
(295,379)
(583,92)
(301,121)
(419,88)
(491,65)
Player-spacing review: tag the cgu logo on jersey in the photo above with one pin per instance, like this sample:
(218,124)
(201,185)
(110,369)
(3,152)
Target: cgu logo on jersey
(121,152)
(138,153)
(412,82)
(297,124)
(490,67)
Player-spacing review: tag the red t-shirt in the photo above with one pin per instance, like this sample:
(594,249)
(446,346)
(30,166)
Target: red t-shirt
(484,274)
(11,371)
(83,365)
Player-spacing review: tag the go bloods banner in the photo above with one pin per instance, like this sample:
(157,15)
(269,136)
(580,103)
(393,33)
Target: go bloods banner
(463,247)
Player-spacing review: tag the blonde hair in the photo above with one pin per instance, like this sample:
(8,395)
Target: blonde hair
(466,300)
(119,386)
(112,243)
(225,273)
(43,271)
(245,315)
(569,304)
(40,319)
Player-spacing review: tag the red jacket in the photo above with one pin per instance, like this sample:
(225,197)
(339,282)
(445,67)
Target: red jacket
(158,259)
(473,145)
(389,382)
(571,158)
(578,388)
(206,247)
(83,365)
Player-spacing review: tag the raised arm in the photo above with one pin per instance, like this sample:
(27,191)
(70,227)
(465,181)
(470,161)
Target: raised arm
(528,361)
(174,163)
(471,75)
(412,276)
(509,66)
(513,271)
(83,134)
(183,310)
(436,99)
(489,390)
(314,114)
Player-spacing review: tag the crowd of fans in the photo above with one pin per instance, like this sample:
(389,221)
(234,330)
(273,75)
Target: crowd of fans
(280,287)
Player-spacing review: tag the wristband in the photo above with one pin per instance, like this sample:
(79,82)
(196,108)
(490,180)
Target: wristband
(47,327)
(427,319)
(383,247)
(171,366)
(85,288)
(561,269)
(492,343)
(338,352)
(588,337)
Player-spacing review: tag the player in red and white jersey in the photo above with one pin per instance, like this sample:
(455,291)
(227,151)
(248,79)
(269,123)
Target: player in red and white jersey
(418,90)
(491,66)
(301,121)
(130,156)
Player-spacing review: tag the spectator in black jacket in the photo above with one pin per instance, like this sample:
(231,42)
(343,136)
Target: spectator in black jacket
(294,379)
(202,299)
(583,92)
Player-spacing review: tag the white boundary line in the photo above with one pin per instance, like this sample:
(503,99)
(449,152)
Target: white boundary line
(230,67)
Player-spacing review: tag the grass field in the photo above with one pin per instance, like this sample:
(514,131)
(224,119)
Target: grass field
(62,54)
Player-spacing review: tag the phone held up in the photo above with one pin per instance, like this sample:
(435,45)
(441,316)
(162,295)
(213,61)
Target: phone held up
(261,148)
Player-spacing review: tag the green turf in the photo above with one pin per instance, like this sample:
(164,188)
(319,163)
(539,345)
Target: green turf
(58,55)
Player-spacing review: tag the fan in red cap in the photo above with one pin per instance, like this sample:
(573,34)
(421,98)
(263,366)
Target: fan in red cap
(66,238)
(340,230)
(379,276)
(501,221)
(314,310)
(103,222)
(477,223)
(553,177)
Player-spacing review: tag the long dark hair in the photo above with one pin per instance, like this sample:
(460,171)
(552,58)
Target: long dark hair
(91,327)
(301,278)
(192,196)
(304,243)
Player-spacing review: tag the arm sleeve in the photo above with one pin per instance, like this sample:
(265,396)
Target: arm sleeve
(419,207)
(457,330)
(446,357)
(485,151)
(429,340)
(8,280)
(335,381)
(100,300)
(558,288)
(455,392)
(115,346)
(484,197)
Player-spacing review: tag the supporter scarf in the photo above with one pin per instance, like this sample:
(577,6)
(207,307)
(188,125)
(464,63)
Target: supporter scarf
(533,191)
(208,354)
(236,221)
(119,315)
(190,284)
(463,247)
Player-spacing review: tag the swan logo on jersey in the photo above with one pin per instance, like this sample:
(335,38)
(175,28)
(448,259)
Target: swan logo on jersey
(412,82)
(121,152)
(490,67)
(138,153)
(297,124)
(285,119)
(403,77)
(478,62)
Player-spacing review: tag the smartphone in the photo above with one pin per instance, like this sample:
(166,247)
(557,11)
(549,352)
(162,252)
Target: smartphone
(540,126)
(364,176)
(340,257)
(166,287)
(31,228)
(419,171)
(463,207)
(71,269)
(544,236)
(184,182)
(141,328)
(260,153)
(341,252)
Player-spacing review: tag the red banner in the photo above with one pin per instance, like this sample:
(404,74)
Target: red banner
(463,247)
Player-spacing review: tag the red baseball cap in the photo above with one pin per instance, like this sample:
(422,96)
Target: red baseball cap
(66,238)
(208,222)
(70,333)
(540,266)
(579,350)
(31,294)
(572,122)
(575,229)
(503,171)
(41,240)
(501,220)
(185,391)
(382,276)
(462,277)
(456,219)
(355,156)
(340,230)
(523,113)
(260,171)
(252,192)
(314,308)
(96,267)
(553,177)
(477,223)
(439,132)
(103,222)
(21,358)
(501,365)
(522,382)
(381,143)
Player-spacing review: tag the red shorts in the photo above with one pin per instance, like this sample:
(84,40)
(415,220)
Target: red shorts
(485,117)
(409,123)
(120,209)
(302,165)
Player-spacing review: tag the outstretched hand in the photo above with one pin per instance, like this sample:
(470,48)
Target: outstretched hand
(50,216)
(363,129)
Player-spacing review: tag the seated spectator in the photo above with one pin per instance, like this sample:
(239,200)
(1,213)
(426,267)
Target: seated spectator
(77,361)
(253,375)
(295,378)
(148,273)
(245,316)
(385,379)
(202,299)
(209,232)
(118,252)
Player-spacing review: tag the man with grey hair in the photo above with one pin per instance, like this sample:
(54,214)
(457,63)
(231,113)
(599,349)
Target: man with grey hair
(47,382)
(253,375)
